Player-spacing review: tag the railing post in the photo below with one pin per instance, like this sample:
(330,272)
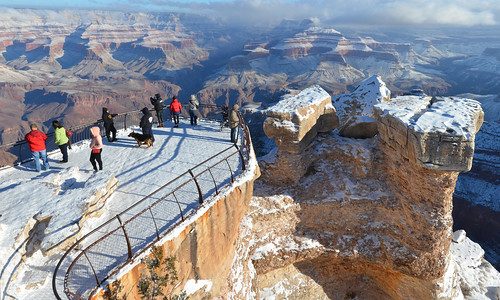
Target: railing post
(178,204)
(200,194)
(230,170)
(129,247)
(213,178)
(91,267)
(243,167)
(20,153)
(125,122)
(154,221)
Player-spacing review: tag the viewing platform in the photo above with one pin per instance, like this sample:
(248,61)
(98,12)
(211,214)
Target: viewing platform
(42,215)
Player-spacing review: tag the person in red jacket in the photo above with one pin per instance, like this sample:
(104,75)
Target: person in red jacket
(36,141)
(175,110)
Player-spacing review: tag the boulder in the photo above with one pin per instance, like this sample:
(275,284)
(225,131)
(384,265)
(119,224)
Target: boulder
(295,120)
(355,110)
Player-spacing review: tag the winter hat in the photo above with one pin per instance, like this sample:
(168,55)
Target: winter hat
(173,98)
(236,107)
(56,124)
(145,110)
(193,97)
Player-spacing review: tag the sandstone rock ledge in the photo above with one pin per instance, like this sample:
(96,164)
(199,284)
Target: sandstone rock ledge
(438,132)
(363,218)
(293,124)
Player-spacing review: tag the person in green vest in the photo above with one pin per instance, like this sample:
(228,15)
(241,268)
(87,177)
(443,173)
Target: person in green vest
(61,139)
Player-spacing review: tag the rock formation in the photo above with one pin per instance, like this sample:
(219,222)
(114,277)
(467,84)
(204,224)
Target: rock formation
(293,123)
(355,110)
(366,218)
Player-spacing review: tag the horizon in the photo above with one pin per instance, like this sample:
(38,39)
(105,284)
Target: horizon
(415,13)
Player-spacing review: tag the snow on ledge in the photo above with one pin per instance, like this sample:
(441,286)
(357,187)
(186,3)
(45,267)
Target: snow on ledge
(442,115)
(299,105)
(192,286)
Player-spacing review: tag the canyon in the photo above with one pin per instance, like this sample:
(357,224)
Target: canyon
(67,64)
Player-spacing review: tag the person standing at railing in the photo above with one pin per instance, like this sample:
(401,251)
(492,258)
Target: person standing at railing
(36,141)
(193,110)
(95,148)
(146,123)
(158,105)
(61,140)
(175,109)
(109,124)
(234,122)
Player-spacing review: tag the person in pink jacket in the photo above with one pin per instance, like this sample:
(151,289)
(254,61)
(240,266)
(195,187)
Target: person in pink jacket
(96,148)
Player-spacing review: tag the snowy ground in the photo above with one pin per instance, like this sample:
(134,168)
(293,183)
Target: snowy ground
(27,260)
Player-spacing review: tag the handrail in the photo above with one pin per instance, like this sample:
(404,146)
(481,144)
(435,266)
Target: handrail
(240,153)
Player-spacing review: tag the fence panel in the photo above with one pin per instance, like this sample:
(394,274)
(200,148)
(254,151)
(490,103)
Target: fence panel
(104,250)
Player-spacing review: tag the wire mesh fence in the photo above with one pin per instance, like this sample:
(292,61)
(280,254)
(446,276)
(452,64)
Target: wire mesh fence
(102,252)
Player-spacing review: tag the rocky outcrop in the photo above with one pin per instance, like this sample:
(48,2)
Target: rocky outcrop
(375,212)
(355,110)
(293,123)
(437,133)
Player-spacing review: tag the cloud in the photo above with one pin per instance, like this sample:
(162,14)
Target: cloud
(366,12)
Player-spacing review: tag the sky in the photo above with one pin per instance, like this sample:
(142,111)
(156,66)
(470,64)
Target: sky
(368,12)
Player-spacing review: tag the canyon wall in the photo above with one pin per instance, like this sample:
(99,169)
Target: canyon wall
(203,245)
(367,218)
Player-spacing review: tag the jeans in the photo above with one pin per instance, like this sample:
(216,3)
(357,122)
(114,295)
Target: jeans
(43,155)
(159,115)
(64,151)
(176,118)
(111,133)
(234,133)
(193,117)
(96,157)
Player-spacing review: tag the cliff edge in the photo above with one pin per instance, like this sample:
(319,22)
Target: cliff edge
(338,217)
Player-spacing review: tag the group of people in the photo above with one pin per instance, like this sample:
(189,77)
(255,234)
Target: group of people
(175,108)
(62,137)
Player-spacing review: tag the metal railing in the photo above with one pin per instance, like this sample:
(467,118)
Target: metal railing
(99,254)
(17,153)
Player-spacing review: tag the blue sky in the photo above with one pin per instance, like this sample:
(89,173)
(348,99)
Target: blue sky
(377,12)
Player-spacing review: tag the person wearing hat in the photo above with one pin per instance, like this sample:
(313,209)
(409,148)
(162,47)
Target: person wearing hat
(109,124)
(234,122)
(193,110)
(158,106)
(175,110)
(146,123)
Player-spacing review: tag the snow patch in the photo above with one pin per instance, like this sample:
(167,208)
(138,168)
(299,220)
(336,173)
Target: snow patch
(192,286)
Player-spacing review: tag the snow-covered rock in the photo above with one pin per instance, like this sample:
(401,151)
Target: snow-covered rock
(477,277)
(355,110)
(293,123)
(459,236)
(438,133)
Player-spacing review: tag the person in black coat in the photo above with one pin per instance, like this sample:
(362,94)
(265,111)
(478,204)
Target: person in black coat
(158,106)
(109,124)
(146,123)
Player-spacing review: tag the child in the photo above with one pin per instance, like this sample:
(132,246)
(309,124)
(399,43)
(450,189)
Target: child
(96,147)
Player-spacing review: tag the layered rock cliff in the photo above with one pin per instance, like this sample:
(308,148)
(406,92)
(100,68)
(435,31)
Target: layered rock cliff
(339,217)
